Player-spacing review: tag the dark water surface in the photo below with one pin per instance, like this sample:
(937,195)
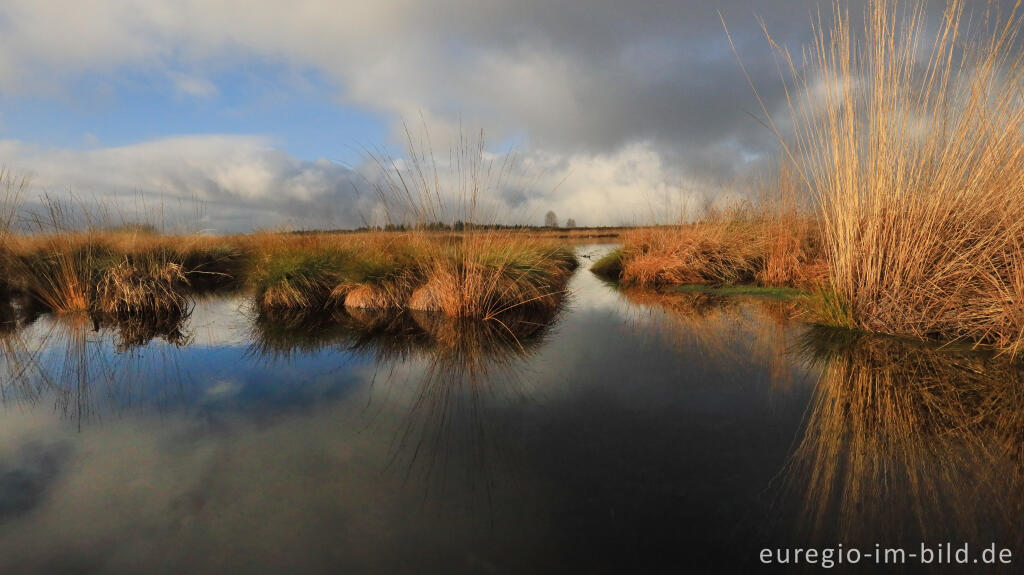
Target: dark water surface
(638,433)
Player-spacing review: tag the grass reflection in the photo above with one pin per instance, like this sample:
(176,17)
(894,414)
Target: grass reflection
(727,329)
(445,374)
(86,362)
(909,443)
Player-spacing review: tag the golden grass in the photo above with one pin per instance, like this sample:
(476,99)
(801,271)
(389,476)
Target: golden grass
(771,239)
(718,252)
(759,244)
(484,276)
(151,288)
(478,274)
(481,274)
(911,139)
(106,272)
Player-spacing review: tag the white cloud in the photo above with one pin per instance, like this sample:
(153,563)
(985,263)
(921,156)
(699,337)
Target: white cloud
(194,86)
(243,181)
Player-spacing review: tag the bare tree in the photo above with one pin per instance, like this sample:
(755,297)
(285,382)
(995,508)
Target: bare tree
(551,220)
(570,223)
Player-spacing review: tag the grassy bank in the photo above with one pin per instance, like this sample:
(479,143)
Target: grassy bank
(132,273)
(428,252)
(719,252)
(479,274)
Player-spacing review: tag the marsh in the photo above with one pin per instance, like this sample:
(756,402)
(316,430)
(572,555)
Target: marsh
(630,431)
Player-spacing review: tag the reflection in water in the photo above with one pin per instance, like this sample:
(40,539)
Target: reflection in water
(643,432)
(468,366)
(905,443)
(71,357)
(729,329)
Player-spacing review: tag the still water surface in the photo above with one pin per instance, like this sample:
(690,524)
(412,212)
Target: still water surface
(636,433)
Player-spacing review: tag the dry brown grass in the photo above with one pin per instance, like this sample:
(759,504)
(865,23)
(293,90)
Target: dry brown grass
(131,288)
(911,138)
(11,190)
(484,276)
(770,240)
(719,252)
(755,244)
(108,272)
(72,263)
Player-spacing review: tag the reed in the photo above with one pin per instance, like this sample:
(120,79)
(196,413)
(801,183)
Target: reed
(72,264)
(480,274)
(488,275)
(11,190)
(911,140)
(770,239)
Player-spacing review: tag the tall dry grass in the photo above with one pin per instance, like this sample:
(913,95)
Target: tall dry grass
(11,191)
(911,139)
(768,242)
(481,274)
(73,261)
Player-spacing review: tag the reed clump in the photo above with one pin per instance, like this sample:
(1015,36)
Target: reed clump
(725,252)
(112,273)
(486,276)
(911,140)
(96,272)
(133,288)
(459,269)
(770,240)
(441,260)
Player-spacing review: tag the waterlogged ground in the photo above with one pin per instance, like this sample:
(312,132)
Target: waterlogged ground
(636,433)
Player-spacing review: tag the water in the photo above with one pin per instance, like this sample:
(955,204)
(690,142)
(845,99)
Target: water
(637,433)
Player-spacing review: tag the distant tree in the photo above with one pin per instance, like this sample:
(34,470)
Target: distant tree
(551,220)
(570,223)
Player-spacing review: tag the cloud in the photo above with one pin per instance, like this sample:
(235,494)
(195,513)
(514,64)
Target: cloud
(194,86)
(591,76)
(586,82)
(237,182)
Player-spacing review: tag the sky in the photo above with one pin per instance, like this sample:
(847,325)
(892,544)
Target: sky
(262,112)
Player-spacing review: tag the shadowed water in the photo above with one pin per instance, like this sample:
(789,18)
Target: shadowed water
(631,432)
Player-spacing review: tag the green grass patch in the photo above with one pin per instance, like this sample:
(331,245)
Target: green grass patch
(609,266)
(748,290)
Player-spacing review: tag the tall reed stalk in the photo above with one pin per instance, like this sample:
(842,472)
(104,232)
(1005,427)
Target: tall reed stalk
(476,272)
(11,191)
(911,138)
